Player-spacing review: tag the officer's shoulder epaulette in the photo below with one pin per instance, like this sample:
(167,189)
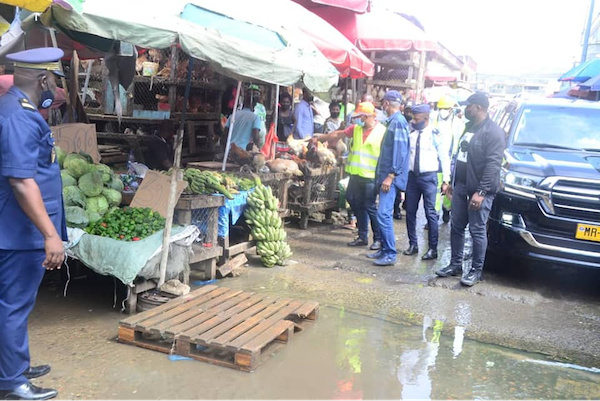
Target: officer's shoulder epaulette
(26,104)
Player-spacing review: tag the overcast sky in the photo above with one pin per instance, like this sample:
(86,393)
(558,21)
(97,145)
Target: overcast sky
(505,36)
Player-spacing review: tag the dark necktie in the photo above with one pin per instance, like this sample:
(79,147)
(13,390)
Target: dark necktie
(417,167)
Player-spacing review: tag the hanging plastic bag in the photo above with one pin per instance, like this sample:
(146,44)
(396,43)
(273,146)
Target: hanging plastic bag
(270,140)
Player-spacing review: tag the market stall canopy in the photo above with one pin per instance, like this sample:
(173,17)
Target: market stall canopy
(39,6)
(340,52)
(592,84)
(235,48)
(378,30)
(582,72)
(357,6)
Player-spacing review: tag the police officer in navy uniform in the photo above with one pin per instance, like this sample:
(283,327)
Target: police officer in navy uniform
(31,213)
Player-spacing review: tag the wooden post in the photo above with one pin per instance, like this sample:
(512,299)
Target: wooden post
(62,79)
(175,177)
(172,75)
(275,122)
(421,76)
(231,124)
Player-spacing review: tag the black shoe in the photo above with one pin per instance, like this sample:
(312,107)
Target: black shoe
(375,246)
(358,242)
(472,278)
(28,391)
(449,271)
(412,250)
(398,216)
(375,255)
(37,371)
(446,216)
(430,255)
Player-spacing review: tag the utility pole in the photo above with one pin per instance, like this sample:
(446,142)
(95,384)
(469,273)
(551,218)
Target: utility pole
(586,36)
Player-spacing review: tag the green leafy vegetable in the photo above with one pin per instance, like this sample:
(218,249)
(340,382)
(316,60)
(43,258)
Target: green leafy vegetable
(91,184)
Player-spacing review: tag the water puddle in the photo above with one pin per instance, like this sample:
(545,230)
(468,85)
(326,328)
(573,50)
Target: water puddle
(350,356)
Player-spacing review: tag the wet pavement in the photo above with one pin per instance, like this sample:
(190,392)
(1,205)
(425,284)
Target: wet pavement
(526,332)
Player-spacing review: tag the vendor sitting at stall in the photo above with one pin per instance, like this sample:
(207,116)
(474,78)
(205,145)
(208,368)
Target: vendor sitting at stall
(160,149)
(246,129)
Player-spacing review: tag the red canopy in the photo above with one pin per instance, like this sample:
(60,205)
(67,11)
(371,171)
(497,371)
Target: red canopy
(348,60)
(379,30)
(357,6)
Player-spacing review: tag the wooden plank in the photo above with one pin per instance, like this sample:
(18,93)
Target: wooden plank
(181,308)
(232,264)
(211,165)
(126,334)
(239,248)
(192,202)
(133,320)
(194,327)
(208,336)
(193,318)
(194,310)
(308,310)
(263,325)
(184,348)
(143,285)
(248,324)
(246,360)
(203,253)
(267,336)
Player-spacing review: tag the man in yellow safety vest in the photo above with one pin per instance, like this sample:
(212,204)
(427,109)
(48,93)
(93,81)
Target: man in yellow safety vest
(361,194)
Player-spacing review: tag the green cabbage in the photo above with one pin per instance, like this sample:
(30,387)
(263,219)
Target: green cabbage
(113,197)
(94,217)
(116,183)
(91,184)
(76,217)
(60,156)
(104,170)
(73,196)
(97,204)
(76,165)
(87,157)
(67,179)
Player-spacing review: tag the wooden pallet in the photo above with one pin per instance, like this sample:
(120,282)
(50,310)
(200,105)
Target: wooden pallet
(218,325)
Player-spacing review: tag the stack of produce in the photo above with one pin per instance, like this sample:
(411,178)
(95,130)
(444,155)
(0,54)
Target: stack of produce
(266,227)
(128,224)
(210,182)
(89,190)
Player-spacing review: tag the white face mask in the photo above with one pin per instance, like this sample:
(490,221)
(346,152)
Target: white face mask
(444,113)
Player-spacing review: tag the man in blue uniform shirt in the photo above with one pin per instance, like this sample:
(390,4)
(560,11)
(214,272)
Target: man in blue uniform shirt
(31,214)
(391,175)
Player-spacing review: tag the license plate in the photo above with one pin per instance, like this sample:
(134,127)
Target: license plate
(588,232)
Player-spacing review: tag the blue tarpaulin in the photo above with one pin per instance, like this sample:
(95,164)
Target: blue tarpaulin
(231,211)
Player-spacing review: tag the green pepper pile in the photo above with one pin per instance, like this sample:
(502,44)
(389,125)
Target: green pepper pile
(128,224)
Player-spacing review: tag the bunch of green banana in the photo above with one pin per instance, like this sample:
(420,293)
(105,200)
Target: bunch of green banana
(262,197)
(246,184)
(262,217)
(205,182)
(266,226)
(273,252)
(269,233)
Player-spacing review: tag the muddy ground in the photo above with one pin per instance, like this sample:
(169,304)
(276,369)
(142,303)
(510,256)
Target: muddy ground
(549,310)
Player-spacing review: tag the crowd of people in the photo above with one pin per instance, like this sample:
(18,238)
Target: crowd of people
(403,154)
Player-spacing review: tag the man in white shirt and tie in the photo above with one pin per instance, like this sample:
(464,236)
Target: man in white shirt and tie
(427,157)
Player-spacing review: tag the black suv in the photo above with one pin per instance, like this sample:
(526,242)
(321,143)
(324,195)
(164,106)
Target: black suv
(549,206)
